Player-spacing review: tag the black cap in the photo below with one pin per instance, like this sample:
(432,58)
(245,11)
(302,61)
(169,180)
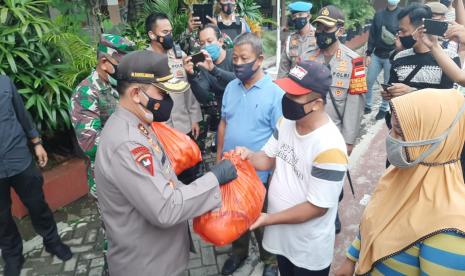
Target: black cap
(152,68)
(330,16)
(307,77)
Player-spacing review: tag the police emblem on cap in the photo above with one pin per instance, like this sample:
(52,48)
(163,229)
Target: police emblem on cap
(298,72)
(325,12)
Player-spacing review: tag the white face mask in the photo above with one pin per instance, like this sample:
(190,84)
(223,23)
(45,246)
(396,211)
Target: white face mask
(395,148)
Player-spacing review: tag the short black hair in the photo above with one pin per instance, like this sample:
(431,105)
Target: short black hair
(214,28)
(152,20)
(251,39)
(416,12)
(122,86)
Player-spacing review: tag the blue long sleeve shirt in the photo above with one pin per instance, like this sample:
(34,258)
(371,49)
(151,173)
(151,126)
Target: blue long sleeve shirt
(16,128)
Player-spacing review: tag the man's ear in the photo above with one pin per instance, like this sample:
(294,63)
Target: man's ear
(103,63)
(321,103)
(259,61)
(134,93)
(151,35)
(341,30)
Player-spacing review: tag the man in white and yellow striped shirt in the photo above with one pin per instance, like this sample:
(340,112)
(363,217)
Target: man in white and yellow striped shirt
(308,154)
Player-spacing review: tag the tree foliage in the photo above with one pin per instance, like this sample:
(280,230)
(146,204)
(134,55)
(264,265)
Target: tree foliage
(33,63)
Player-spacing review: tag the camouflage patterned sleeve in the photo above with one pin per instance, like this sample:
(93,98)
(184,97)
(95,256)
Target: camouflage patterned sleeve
(85,117)
(189,42)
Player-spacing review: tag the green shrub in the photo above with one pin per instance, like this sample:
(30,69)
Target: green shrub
(33,63)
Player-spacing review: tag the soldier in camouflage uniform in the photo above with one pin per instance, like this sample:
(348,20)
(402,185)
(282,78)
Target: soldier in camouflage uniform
(95,98)
(189,40)
(300,41)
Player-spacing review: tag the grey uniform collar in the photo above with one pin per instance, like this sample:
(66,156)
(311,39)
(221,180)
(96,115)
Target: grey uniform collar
(128,116)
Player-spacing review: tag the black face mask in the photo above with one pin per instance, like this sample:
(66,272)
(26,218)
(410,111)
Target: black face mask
(228,8)
(300,22)
(245,72)
(324,39)
(407,41)
(292,110)
(161,109)
(167,41)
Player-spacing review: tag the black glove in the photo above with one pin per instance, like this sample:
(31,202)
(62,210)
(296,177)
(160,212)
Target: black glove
(224,171)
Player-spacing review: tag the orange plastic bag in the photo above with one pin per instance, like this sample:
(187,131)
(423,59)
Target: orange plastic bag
(182,151)
(242,204)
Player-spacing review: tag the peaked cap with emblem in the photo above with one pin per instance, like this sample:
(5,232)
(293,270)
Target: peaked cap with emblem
(148,67)
(115,46)
(330,16)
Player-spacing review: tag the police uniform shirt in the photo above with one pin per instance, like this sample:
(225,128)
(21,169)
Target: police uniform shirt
(347,88)
(296,45)
(186,108)
(144,207)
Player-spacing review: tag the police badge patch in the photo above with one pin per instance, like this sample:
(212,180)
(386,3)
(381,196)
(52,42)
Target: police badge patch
(143,158)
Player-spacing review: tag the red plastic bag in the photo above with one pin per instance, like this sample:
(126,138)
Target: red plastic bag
(182,151)
(242,204)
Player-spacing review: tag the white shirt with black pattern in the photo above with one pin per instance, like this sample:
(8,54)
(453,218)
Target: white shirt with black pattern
(309,168)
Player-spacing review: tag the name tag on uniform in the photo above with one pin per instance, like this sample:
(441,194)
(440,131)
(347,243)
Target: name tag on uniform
(341,75)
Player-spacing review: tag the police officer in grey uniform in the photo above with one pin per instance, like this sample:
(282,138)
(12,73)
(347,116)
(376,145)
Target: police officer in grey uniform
(300,41)
(186,113)
(345,99)
(145,208)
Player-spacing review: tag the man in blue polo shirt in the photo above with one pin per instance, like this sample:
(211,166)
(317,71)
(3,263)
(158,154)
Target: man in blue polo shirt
(250,110)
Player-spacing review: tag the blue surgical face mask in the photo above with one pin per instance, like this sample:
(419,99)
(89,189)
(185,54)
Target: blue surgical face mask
(393,2)
(214,50)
